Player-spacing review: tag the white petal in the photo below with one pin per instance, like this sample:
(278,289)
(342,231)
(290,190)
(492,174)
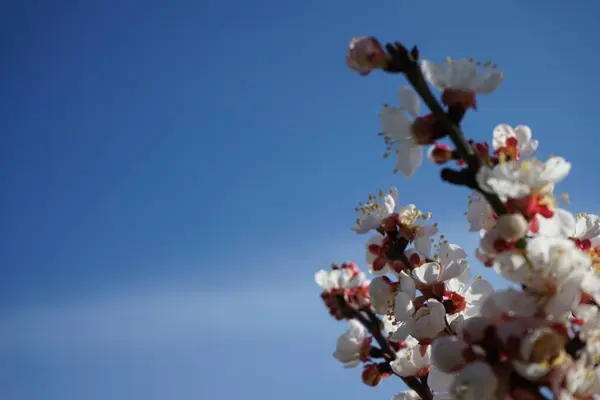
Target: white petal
(529,148)
(564,301)
(478,379)
(455,285)
(478,291)
(436,74)
(514,302)
(409,100)
(407,284)
(423,245)
(322,279)
(523,133)
(439,381)
(454,270)
(489,81)
(395,124)
(463,74)
(556,169)
(409,158)
(447,353)
(591,285)
(501,133)
(561,224)
(531,371)
(395,195)
(402,331)
(437,316)
(428,273)
(380,292)
(408,395)
(403,307)
(449,252)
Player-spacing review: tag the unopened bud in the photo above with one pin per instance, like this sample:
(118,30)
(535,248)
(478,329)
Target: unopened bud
(371,375)
(440,153)
(512,226)
(365,54)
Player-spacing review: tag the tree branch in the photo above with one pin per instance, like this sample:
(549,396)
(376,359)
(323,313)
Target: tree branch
(406,62)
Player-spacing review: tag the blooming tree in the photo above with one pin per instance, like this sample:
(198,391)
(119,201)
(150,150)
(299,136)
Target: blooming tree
(423,317)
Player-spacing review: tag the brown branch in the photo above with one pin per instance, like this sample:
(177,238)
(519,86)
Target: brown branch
(405,62)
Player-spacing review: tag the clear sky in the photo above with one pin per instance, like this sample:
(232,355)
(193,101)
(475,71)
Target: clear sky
(173,173)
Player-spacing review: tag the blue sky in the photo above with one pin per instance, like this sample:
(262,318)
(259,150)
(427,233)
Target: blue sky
(173,173)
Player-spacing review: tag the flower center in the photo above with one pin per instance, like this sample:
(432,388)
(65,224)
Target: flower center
(510,151)
(454,303)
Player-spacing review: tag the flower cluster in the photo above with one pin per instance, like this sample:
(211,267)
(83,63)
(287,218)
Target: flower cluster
(423,317)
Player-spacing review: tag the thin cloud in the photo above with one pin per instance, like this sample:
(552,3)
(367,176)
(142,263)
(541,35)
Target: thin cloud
(152,318)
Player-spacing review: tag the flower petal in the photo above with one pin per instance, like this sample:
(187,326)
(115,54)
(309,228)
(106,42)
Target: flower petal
(556,169)
(395,124)
(489,81)
(322,279)
(428,273)
(409,158)
(563,223)
(423,245)
(478,291)
(436,74)
(439,381)
(409,100)
(403,307)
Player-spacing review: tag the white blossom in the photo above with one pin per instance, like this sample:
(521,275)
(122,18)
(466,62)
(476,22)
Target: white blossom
(398,128)
(473,295)
(426,323)
(452,262)
(372,214)
(468,340)
(381,293)
(479,213)
(448,353)
(476,381)
(508,302)
(463,75)
(342,278)
(587,227)
(407,395)
(348,348)
(403,302)
(540,351)
(515,180)
(553,267)
(517,141)
(411,360)
(581,380)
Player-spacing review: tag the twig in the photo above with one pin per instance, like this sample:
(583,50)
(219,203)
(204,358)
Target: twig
(403,61)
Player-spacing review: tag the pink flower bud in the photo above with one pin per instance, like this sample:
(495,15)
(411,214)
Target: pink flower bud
(371,375)
(365,54)
(440,153)
(512,226)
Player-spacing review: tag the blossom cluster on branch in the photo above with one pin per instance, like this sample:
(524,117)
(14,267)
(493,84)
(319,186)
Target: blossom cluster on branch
(424,317)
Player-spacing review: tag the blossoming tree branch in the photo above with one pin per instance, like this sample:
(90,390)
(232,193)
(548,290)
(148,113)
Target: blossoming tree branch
(423,317)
